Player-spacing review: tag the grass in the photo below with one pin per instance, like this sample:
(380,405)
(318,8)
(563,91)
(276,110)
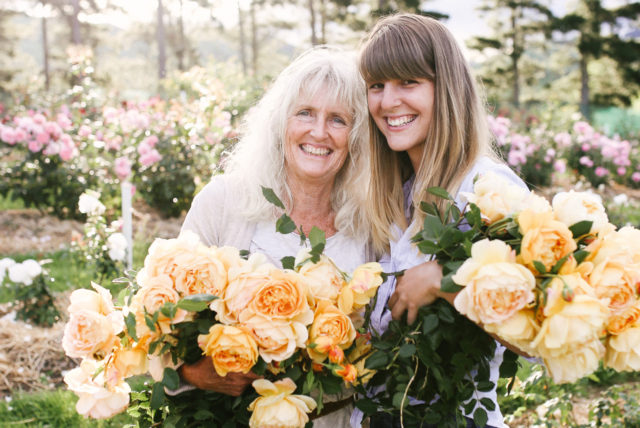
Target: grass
(8,203)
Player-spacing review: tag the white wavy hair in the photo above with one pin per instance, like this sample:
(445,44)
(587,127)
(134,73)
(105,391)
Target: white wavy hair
(258,157)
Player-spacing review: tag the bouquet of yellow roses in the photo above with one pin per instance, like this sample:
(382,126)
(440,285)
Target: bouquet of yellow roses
(558,281)
(297,327)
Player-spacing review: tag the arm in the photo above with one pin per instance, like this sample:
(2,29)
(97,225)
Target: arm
(202,375)
(419,286)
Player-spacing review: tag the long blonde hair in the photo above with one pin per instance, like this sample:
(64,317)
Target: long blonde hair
(258,158)
(405,47)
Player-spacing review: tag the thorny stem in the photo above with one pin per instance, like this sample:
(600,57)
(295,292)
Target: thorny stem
(406,392)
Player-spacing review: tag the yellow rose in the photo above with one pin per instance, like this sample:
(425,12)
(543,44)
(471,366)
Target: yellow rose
(232,349)
(519,330)
(568,324)
(498,198)
(99,301)
(579,361)
(323,278)
(624,320)
(363,285)
(348,373)
(622,246)
(329,322)
(127,362)
(284,296)
(89,334)
(244,281)
(613,282)
(544,239)
(356,356)
(573,207)
(496,287)
(193,267)
(623,350)
(278,407)
(96,399)
(277,339)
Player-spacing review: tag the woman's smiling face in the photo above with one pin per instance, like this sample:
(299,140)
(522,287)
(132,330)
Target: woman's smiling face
(317,138)
(402,110)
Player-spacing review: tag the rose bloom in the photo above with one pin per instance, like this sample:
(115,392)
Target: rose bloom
(277,339)
(89,203)
(622,246)
(96,398)
(544,239)
(616,283)
(519,330)
(496,197)
(323,278)
(579,361)
(348,373)
(496,287)
(363,285)
(623,350)
(157,364)
(99,301)
(566,324)
(232,349)
(88,334)
(329,322)
(572,207)
(285,296)
(625,320)
(193,267)
(127,362)
(363,347)
(244,281)
(278,407)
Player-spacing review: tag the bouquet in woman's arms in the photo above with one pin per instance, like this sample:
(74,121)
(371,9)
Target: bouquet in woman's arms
(295,327)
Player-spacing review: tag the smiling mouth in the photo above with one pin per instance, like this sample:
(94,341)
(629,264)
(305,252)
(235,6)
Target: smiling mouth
(316,151)
(400,121)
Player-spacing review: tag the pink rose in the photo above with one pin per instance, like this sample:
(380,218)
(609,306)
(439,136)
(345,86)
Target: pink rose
(35,146)
(122,167)
(150,157)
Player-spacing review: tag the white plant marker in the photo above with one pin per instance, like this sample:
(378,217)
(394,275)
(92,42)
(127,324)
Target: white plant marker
(127,222)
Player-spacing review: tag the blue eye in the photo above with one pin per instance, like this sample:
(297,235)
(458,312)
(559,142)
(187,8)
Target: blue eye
(376,86)
(303,113)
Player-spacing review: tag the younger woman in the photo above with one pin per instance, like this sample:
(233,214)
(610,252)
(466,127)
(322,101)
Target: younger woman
(428,128)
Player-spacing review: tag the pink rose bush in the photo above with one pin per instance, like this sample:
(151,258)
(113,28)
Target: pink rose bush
(558,281)
(251,316)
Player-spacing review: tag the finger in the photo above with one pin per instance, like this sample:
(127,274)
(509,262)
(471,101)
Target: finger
(392,300)
(412,313)
(398,309)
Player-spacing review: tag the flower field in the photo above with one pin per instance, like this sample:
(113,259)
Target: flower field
(61,167)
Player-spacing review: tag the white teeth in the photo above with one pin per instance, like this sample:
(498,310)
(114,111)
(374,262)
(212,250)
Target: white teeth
(399,121)
(315,150)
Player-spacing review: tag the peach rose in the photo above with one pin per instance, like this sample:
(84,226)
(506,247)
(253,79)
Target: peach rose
(244,281)
(579,361)
(348,373)
(284,296)
(89,334)
(232,349)
(96,399)
(127,362)
(624,320)
(623,350)
(329,322)
(622,246)
(614,282)
(277,339)
(567,324)
(498,198)
(99,301)
(323,278)
(157,364)
(278,407)
(358,357)
(519,330)
(363,285)
(544,239)
(573,207)
(495,286)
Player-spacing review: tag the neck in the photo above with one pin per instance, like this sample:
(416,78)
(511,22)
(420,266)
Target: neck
(312,206)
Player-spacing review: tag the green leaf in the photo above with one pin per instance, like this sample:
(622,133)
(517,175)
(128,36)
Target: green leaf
(485,386)
(407,350)
(397,400)
(488,403)
(440,192)
(285,225)
(556,268)
(149,321)
(168,309)
(157,396)
(376,361)
(170,378)
(580,255)
(288,262)
(428,208)
(480,417)
(428,247)
(468,407)
(368,406)
(130,323)
(271,196)
(316,237)
(448,285)
(433,227)
(581,228)
(196,302)
(203,414)
(540,267)
(430,323)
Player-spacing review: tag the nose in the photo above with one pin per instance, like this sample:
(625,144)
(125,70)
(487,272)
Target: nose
(389,98)
(319,128)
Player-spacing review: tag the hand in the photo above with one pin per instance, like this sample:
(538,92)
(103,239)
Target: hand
(203,375)
(419,286)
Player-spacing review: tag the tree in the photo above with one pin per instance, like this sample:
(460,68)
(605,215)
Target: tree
(599,35)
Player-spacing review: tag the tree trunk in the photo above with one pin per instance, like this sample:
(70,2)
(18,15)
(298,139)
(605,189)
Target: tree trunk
(312,12)
(45,53)
(254,39)
(181,38)
(162,56)
(515,59)
(323,21)
(243,52)
(76,39)
(584,87)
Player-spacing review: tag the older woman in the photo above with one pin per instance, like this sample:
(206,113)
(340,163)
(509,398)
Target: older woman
(305,139)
